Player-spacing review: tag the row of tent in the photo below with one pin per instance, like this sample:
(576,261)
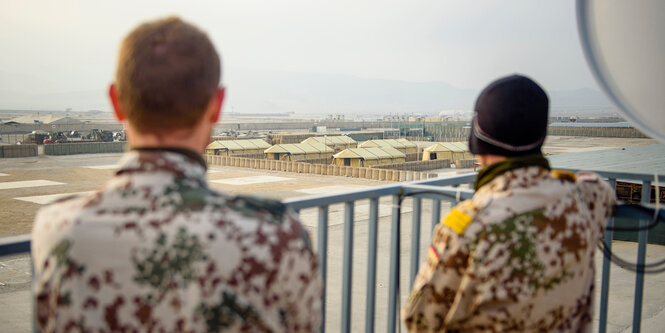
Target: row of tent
(346,151)
(309,146)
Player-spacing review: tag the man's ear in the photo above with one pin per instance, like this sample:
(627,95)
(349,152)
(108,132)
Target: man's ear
(216,105)
(115,102)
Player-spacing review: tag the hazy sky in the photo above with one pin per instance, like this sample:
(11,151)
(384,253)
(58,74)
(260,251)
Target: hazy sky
(71,45)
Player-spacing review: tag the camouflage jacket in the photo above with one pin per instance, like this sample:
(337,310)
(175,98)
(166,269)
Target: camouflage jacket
(157,250)
(517,257)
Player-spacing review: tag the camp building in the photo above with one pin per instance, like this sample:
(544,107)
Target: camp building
(298,151)
(337,142)
(403,145)
(237,147)
(447,150)
(365,157)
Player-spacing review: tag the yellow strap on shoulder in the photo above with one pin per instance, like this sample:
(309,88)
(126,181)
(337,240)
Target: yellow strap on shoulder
(457,220)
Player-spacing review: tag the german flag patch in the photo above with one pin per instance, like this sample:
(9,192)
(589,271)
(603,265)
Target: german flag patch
(565,176)
(433,256)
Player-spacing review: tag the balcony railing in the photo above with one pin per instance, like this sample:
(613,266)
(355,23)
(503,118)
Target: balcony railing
(436,191)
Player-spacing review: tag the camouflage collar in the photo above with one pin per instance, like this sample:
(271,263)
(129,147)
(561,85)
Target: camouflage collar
(488,173)
(181,163)
(196,157)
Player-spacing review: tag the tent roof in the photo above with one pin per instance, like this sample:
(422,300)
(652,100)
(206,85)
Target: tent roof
(338,140)
(298,148)
(406,143)
(437,147)
(462,145)
(225,144)
(260,143)
(399,143)
(452,147)
(239,144)
(373,153)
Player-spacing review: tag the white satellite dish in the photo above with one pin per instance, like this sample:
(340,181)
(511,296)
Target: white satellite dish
(624,44)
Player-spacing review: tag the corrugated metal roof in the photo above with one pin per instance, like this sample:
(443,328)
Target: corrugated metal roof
(638,159)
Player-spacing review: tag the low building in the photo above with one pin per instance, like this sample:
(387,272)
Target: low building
(365,157)
(237,147)
(437,151)
(298,151)
(447,150)
(403,145)
(337,142)
(46,119)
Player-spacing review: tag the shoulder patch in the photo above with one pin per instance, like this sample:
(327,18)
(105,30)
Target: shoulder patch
(565,176)
(457,220)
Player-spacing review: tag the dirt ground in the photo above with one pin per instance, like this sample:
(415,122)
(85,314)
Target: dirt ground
(16,216)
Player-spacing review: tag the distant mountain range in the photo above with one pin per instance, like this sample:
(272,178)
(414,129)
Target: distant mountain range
(280,92)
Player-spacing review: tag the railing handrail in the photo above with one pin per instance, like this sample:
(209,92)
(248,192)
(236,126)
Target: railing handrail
(374,192)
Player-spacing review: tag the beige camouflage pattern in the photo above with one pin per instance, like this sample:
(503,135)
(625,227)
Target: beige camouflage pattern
(517,257)
(157,250)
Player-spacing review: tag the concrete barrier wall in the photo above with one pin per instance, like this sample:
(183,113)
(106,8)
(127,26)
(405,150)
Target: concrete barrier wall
(417,165)
(12,151)
(319,169)
(256,156)
(464,164)
(84,148)
(413,157)
(323,160)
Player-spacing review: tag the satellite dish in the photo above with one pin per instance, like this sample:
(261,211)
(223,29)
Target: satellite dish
(624,45)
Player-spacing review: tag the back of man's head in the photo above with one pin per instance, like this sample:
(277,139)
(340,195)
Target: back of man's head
(168,72)
(510,118)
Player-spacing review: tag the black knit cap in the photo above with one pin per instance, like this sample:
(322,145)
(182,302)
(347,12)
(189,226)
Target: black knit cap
(510,118)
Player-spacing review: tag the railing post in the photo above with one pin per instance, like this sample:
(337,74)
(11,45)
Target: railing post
(371,264)
(605,282)
(641,254)
(348,266)
(393,282)
(436,213)
(322,252)
(415,240)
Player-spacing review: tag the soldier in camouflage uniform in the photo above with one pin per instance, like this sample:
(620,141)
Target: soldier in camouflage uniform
(156,249)
(518,256)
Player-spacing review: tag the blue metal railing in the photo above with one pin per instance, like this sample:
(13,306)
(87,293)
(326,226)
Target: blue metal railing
(436,190)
